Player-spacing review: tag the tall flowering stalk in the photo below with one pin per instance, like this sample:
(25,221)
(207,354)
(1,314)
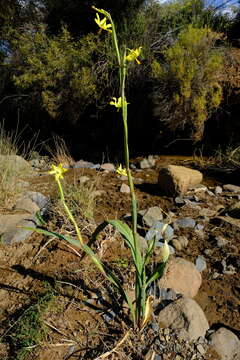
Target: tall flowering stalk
(142,305)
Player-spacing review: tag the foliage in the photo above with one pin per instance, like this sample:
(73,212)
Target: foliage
(187,84)
(57,70)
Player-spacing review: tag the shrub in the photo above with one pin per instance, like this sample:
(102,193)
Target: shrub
(187,84)
(57,70)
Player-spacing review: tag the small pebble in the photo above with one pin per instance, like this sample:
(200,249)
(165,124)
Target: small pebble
(200,264)
(201,349)
(177,245)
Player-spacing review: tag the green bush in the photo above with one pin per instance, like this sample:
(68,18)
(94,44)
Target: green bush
(57,70)
(187,85)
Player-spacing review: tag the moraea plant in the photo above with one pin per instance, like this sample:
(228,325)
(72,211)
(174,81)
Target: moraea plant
(141,306)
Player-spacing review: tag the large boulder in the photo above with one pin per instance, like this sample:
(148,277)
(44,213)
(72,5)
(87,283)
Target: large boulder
(226,344)
(182,277)
(15,162)
(174,180)
(184,314)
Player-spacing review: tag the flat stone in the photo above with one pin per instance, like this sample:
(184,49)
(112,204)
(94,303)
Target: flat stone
(152,215)
(108,167)
(226,344)
(185,222)
(185,314)
(182,277)
(232,188)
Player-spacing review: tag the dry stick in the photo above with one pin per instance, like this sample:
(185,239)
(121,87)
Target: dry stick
(106,354)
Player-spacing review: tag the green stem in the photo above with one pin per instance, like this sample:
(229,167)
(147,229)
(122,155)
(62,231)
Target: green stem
(70,216)
(138,280)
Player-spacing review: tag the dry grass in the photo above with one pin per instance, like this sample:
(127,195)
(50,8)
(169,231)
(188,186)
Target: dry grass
(10,173)
(60,153)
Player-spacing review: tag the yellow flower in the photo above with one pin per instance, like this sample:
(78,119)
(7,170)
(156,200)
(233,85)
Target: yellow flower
(58,171)
(118,102)
(102,23)
(121,171)
(134,54)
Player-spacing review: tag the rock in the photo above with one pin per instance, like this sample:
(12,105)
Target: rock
(32,202)
(144,164)
(107,167)
(125,189)
(183,241)
(179,200)
(185,314)
(199,227)
(201,263)
(174,180)
(185,222)
(176,244)
(156,231)
(182,277)
(218,190)
(200,349)
(81,164)
(15,162)
(83,179)
(9,227)
(232,188)
(152,215)
(147,163)
(226,344)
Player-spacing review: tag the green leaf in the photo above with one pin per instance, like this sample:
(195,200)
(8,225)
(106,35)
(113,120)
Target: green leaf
(158,272)
(126,232)
(72,241)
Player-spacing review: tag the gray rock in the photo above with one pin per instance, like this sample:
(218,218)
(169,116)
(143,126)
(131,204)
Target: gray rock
(125,189)
(152,215)
(179,200)
(232,188)
(201,264)
(199,227)
(226,344)
(14,233)
(185,222)
(81,164)
(156,231)
(25,203)
(185,314)
(39,199)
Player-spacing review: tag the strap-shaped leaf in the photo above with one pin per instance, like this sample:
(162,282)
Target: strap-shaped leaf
(72,241)
(156,274)
(126,232)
